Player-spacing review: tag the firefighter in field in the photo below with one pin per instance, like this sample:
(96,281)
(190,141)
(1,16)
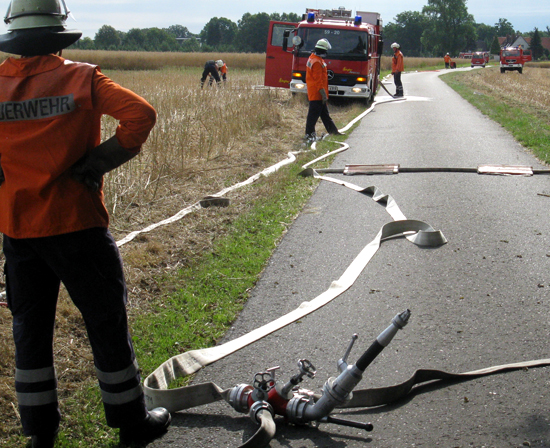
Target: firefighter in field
(54,220)
(211,70)
(222,72)
(397,67)
(317,91)
(447,60)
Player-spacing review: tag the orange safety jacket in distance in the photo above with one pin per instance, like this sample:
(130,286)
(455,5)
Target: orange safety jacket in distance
(50,116)
(397,64)
(316,77)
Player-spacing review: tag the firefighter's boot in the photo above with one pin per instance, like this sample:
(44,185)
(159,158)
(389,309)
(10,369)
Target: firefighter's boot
(155,424)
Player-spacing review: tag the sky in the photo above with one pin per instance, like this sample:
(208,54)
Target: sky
(123,15)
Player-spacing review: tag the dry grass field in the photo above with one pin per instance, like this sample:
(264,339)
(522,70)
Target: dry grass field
(530,89)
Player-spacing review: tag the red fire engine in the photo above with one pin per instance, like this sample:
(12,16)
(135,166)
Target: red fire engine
(353,62)
(513,58)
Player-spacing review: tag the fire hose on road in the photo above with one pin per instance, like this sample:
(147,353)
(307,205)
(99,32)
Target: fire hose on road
(266,398)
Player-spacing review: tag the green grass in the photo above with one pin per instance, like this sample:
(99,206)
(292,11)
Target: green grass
(528,126)
(213,291)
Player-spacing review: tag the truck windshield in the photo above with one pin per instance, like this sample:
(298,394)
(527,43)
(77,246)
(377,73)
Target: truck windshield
(511,53)
(343,42)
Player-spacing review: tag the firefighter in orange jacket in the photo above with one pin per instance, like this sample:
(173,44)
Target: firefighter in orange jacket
(222,68)
(55,223)
(447,60)
(397,67)
(317,91)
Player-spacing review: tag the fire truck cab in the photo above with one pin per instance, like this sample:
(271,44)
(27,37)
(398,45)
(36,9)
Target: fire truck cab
(353,62)
(513,58)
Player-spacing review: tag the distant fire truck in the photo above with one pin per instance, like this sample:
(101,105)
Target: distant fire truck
(353,62)
(513,58)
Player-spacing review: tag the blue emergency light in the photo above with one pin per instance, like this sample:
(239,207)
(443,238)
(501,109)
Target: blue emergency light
(311,17)
(358,20)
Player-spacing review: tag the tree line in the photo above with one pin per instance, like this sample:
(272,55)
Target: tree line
(443,26)
(220,34)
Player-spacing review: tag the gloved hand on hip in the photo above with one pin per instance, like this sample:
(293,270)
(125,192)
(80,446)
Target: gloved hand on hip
(107,156)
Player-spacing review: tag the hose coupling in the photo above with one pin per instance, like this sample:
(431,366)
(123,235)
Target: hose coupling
(257,408)
(238,397)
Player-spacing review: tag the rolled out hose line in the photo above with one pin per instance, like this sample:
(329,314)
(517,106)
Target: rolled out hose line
(265,432)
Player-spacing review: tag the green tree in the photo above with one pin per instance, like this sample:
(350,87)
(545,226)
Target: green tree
(157,39)
(495,46)
(107,38)
(407,31)
(286,17)
(504,28)
(179,31)
(451,29)
(84,43)
(252,34)
(486,33)
(134,40)
(537,50)
(219,31)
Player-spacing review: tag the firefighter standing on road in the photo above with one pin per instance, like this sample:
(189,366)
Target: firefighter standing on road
(54,220)
(447,59)
(397,67)
(317,91)
(211,69)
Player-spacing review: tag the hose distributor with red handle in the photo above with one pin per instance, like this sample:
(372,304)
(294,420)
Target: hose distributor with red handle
(268,397)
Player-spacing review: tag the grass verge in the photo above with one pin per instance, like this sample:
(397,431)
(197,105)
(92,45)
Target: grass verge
(528,123)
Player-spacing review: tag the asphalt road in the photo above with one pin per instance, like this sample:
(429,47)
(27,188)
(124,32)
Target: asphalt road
(480,300)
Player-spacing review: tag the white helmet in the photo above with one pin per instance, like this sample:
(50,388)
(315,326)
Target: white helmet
(219,63)
(395,45)
(323,44)
(37,27)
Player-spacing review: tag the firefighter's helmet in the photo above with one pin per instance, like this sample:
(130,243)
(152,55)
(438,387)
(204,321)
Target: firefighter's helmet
(219,63)
(37,27)
(323,44)
(395,45)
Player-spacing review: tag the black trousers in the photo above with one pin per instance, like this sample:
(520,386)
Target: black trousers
(319,109)
(89,265)
(210,69)
(398,84)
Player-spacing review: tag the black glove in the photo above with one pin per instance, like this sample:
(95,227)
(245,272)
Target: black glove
(89,170)
(324,95)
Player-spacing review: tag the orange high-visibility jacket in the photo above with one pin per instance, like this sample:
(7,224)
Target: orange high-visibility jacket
(397,64)
(50,115)
(223,69)
(316,77)
(447,58)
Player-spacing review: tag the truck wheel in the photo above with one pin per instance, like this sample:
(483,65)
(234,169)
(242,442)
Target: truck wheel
(520,70)
(502,70)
